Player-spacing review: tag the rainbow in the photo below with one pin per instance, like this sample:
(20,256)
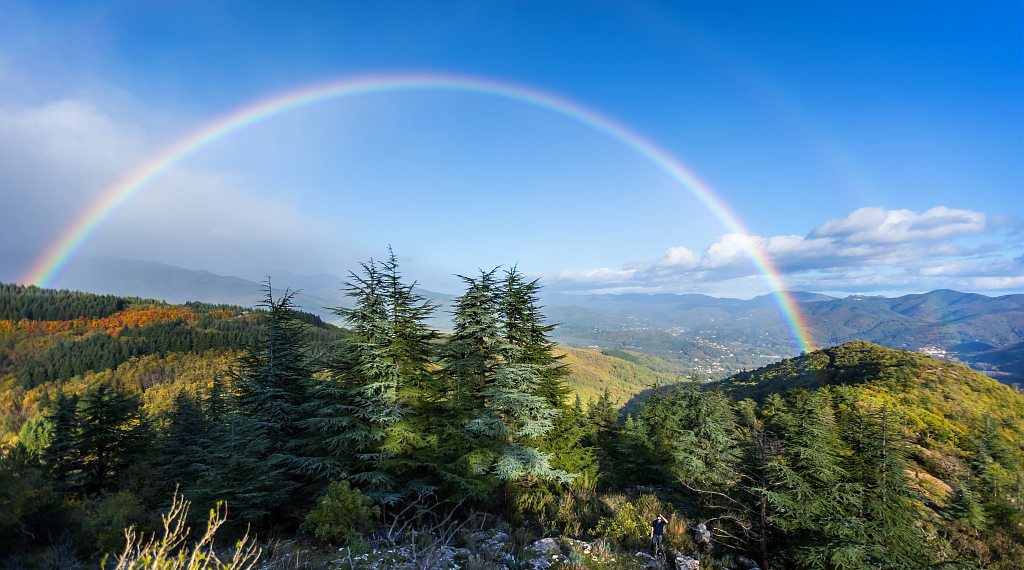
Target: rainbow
(60,252)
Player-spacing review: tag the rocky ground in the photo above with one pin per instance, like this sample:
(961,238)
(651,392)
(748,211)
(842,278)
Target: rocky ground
(493,550)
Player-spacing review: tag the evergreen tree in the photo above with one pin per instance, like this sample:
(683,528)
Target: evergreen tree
(887,500)
(526,330)
(274,383)
(690,437)
(367,407)
(184,458)
(215,402)
(112,435)
(603,430)
(493,385)
(964,507)
(703,450)
(752,513)
(634,463)
(62,457)
(652,440)
(817,505)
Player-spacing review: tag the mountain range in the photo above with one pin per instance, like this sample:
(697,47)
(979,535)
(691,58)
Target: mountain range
(712,336)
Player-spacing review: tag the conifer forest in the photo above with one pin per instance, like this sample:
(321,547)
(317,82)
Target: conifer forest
(140,434)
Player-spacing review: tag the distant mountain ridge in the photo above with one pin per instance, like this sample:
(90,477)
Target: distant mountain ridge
(985,332)
(317,294)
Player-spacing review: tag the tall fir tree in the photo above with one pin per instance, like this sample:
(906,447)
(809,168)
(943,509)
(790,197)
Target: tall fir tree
(493,386)
(818,507)
(184,459)
(603,430)
(367,408)
(274,384)
(62,457)
(704,448)
(525,329)
(878,465)
(112,434)
(758,450)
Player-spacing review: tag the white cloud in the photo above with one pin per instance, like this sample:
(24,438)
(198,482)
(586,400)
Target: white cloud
(868,249)
(880,226)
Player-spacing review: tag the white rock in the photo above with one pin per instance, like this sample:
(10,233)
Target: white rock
(702,534)
(546,545)
(687,563)
(538,564)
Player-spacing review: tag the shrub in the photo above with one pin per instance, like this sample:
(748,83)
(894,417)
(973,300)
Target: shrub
(340,514)
(35,434)
(107,516)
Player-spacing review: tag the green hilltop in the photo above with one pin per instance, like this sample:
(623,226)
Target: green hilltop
(943,401)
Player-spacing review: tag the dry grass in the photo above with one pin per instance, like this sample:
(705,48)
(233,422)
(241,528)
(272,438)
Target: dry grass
(172,551)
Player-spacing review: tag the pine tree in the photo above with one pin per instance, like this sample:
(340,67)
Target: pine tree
(649,441)
(759,449)
(367,408)
(689,436)
(964,507)
(111,436)
(62,457)
(634,464)
(525,329)
(185,448)
(493,384)
(603,430)
(704,447)
(887,500)
(818,508)
(273,382)
(215,402)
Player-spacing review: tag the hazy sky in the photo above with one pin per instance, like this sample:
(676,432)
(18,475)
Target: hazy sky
(867,147)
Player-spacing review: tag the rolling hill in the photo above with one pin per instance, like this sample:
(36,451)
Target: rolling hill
(945,407)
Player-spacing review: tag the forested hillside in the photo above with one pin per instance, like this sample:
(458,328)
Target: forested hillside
(622,374)
(851,457)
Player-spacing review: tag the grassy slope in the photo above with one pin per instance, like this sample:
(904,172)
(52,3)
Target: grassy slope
(592,372)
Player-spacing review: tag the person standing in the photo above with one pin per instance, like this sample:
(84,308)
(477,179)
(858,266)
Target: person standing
(658,535)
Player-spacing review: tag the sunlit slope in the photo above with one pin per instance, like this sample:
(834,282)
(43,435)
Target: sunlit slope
(943,406)
(591,372)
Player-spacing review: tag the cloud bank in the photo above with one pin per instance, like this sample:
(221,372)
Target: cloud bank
(58,158)
(870,249)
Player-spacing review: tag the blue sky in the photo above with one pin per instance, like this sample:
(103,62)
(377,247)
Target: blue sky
(867,147)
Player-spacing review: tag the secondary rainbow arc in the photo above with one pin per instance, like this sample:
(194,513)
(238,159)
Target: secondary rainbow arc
(71,240)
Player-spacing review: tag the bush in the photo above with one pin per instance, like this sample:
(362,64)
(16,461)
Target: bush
(108,515)
(35,435)
(571,510)
(340,514)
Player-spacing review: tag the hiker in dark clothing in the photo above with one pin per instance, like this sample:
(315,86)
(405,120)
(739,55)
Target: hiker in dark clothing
(658,536)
